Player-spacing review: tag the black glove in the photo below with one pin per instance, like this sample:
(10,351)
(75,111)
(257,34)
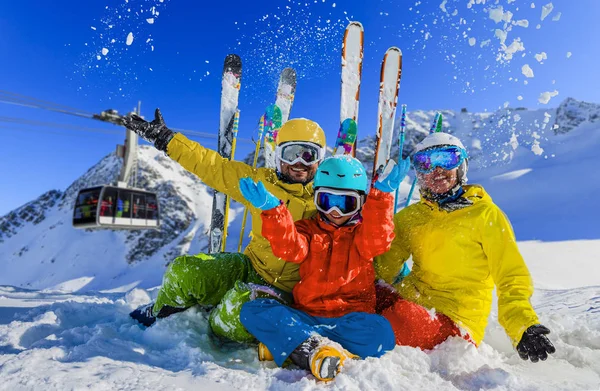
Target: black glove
(155,132)
(534,344)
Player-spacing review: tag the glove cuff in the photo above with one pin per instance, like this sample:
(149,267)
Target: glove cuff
(163,139)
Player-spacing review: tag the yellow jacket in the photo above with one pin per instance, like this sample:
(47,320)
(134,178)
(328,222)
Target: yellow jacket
(458,257)
(224,175)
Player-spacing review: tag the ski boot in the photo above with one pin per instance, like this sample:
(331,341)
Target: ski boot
(263,353)
(322,357)
(145,316)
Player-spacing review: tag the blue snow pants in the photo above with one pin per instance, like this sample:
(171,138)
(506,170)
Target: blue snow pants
(282,329)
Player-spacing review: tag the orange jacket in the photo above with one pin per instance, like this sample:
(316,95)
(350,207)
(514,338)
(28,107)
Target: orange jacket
(336,263)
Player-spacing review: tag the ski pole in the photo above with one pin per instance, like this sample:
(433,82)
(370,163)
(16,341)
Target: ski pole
(401,147)
(236,120)
(436,126)
(261,128)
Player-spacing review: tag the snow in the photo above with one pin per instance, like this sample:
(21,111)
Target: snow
(104,51)
(129,40)
(546,96)
(546,10)
(527,71)
(569,54)
(472,41)
(71,332)
(541,56)
(556,17)
(150,20)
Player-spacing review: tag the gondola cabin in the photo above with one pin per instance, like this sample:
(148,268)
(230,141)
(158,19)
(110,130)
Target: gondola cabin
(112,207)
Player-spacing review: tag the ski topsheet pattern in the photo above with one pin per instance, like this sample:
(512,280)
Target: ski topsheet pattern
(346,138)
(391,72)
(286,90)
(352,57)
(230,90)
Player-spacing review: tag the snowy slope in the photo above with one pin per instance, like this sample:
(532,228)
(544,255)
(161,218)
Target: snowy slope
(67,334)
(40,249)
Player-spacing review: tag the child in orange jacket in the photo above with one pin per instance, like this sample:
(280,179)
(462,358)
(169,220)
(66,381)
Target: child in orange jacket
(335,298)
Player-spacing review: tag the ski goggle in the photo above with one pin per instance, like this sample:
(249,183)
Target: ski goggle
(447,158)
(345,202)
(300,152)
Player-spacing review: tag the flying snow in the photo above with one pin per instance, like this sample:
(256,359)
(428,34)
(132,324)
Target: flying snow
(546,10)
(546,96)
(129,40)
(527,71)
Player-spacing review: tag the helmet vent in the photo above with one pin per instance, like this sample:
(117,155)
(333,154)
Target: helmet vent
(325,172)
(341,175)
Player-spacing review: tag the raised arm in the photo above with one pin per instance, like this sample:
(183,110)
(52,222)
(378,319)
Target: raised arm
(374,236)
(389,264)
(215,171)
(287,242)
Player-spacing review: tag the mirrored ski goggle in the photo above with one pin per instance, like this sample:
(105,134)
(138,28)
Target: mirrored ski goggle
(345,202)
(300,152)
(447,158)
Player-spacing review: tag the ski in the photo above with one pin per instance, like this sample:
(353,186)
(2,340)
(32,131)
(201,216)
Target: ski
(286,91)
(346,138)
(284,100)
(230,90)
(273,121)
(352,57)
(234,130)
(391,72)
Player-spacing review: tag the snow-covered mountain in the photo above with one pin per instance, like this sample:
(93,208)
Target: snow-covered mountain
(40,249)
(540,166)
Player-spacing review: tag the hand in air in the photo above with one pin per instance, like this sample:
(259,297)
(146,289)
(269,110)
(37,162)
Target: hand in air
(257,195)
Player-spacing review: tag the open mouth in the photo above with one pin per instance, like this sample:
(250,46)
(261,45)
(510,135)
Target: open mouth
(297,169)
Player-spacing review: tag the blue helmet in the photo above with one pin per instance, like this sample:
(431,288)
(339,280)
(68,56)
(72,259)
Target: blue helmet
(342,172)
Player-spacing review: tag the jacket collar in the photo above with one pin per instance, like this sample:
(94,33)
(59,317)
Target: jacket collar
(470,195)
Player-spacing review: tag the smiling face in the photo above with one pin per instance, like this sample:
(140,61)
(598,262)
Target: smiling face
(299,173)
(336,219)
(439,181)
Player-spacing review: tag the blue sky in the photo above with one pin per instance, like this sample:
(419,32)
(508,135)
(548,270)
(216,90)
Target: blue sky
(50,50)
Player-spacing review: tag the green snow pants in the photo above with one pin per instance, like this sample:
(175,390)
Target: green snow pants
(224,280)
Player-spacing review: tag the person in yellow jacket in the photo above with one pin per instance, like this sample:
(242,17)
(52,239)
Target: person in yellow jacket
(227,280)
(462,245)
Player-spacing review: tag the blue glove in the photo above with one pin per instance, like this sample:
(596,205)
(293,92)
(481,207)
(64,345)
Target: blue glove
(392,175)
(257,195)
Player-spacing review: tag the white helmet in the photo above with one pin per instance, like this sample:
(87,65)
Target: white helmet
(439,139)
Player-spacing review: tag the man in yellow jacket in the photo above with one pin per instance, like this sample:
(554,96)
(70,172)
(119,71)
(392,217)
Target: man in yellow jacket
(227,280)
(462,245)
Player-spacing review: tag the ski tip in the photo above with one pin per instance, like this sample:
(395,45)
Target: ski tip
(355,23)
(232,62)
(289,71)
(394,49)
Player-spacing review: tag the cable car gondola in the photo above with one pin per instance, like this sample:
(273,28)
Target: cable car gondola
(117,206)
(112,207)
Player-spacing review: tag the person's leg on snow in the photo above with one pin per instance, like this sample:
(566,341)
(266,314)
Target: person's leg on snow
(225,317)
(314,343)
(201,279)
(417,327)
